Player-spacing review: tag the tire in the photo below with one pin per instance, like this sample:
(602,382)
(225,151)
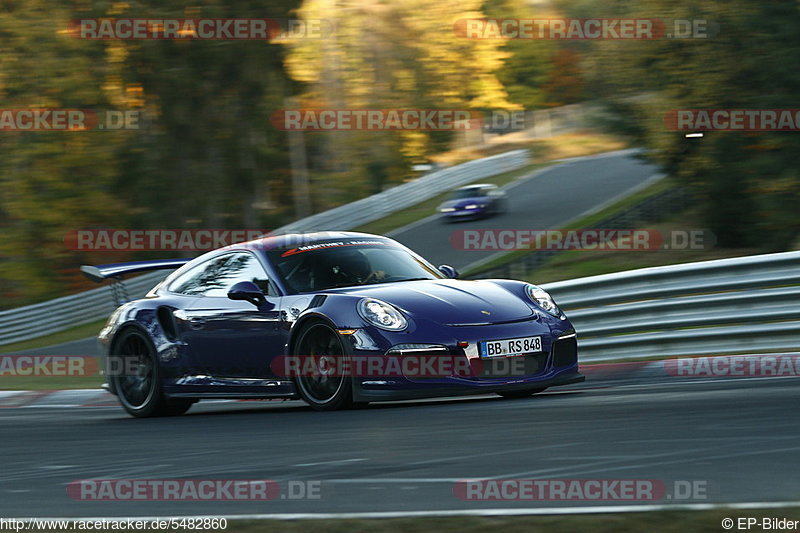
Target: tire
(138,382)
(526,393)
(323,393)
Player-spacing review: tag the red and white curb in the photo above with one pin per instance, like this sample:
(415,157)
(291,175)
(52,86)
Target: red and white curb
(57,398)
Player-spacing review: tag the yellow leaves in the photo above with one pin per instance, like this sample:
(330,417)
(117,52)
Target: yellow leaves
(403,54)
(135,94)
(69,30)
(116,52)
(118,8)
(414,144)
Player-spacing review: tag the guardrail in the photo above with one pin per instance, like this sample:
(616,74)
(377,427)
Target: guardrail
(30,322)
(739,305)
(390,201)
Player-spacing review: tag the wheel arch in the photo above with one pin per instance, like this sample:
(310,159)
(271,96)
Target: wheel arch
(112,345)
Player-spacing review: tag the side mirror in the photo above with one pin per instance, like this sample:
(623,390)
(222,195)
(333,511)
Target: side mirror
(448,271)
(248,291)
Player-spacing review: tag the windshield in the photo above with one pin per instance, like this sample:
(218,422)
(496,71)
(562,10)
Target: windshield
(466,193)
(345,264)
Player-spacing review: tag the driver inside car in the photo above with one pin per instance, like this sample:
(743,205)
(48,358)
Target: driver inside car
(347,267)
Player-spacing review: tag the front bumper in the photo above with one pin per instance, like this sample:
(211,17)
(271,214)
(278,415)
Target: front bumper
(555,365)
(464,213)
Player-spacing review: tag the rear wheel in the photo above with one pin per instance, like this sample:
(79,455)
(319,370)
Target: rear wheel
(326,388)
(521,393)
(136,378)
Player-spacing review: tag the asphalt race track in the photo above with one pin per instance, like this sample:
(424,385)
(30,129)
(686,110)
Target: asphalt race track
(738,438)
(547,199)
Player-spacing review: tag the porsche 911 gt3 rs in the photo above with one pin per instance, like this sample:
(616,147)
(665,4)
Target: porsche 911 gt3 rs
(335,318)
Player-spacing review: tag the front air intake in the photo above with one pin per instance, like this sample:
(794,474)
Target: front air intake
(565,351)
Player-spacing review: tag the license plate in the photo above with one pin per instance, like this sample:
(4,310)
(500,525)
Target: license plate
(506,347)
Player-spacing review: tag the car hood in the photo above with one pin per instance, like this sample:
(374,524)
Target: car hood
(461,202)
(450,301)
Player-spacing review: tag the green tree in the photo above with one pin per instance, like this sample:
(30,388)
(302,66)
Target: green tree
(206,155)
(51,182)
(209,148)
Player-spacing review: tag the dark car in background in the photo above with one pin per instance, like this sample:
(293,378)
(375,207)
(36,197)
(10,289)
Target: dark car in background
(473,201)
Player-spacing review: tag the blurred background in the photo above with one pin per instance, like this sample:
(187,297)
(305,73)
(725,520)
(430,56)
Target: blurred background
(207,156)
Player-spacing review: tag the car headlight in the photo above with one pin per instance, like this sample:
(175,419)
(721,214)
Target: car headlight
(543,299)
(381,314)
(447,209)
(472,206)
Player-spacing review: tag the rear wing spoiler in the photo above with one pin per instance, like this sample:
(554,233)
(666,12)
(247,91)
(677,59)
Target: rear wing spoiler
(114,271)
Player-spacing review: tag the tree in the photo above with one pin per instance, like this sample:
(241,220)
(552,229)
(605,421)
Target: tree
(51,182)
(747,182)
(390,55)
(206,155)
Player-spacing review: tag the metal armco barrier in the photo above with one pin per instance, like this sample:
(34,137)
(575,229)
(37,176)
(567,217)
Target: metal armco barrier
(29,322)
(740,305)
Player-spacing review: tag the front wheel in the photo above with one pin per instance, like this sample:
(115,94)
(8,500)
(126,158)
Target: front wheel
(325,388)
(525,393)
(136,378)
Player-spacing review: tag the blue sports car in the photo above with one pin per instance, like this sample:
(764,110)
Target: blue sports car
(338,319)
(473,201)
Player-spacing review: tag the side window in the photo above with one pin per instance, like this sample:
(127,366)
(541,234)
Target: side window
(215,277)
(196,281)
